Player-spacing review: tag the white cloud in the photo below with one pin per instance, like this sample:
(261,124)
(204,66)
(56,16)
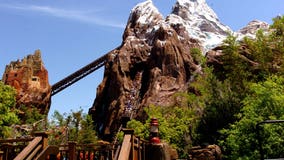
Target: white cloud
(78,15)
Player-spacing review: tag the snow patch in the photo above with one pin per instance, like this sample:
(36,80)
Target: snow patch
(146,12)
(200,21)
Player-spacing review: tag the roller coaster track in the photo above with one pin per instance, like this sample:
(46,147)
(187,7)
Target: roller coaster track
(76,76)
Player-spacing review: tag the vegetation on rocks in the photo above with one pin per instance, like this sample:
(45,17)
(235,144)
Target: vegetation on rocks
(75,126)
(221,106)
(224,106)
(7,114)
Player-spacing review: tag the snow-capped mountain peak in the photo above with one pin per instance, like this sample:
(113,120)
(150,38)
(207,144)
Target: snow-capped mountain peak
(198,7)
(251,28)
(197,19)
(200,21)
(145,13)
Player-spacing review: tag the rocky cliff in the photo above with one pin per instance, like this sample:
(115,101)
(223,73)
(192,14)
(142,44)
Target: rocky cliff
(154,60)
(30,78)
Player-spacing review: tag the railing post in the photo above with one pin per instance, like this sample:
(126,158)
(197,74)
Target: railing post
(44,136)
(72,150)
(7,150)
(1,155)
(126,147)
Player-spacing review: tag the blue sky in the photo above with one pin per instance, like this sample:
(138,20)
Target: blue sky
(72,33)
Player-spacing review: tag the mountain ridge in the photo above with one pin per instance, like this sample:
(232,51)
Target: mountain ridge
(155,61)
(199,20)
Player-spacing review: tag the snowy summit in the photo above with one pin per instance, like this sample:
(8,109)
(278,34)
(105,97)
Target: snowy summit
(198,19)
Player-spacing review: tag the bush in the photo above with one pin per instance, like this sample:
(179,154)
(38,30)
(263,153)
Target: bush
(265,101)
(7,107)
(176,126)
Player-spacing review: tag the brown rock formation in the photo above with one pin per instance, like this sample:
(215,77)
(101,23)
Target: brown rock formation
(210,152)
(154,61)
(30,78)
(151,65)
(252,27)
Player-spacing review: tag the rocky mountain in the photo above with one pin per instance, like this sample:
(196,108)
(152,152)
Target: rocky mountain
(155,61)
(200,21)
(30,78)
(251,29)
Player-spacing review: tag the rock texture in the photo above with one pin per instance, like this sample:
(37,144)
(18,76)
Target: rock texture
(151,65)
(251,29)
(154,60)
(214,54)
(30,78)
(210,152)
(200,21)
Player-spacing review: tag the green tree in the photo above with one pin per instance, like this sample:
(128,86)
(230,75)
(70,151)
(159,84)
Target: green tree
(87,134)
(237,68)
(177,126)
(197,56)
(221,104)
(32,116)
(7,107)
(265,101)
(75,126)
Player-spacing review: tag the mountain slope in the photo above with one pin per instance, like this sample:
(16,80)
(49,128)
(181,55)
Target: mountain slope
(154,61)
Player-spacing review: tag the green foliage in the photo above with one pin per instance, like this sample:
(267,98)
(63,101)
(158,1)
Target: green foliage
(197,56)
(176,126)
(219,111)
(140,129)
(7,104)
(75,126)
(228,92)
(278,28)
(236,66)
(266,101)
(30,115)
(87,134)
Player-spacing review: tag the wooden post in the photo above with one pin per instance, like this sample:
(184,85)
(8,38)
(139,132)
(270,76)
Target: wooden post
(139,148)
(72,150)
(126,147)
(1,155)
(7,149)
(44,136)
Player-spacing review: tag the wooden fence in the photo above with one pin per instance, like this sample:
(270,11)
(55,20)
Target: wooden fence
(132,148)
(74,151)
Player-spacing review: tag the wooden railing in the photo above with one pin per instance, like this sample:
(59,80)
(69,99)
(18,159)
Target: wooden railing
(50,152)
(132,148)
(74,151)
(12,147)
(38,149)
(23,148)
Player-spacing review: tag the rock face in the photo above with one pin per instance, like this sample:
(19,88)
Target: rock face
(210,152)
(214,55)
(251,29)
(154,60)
(30,78)
(200,21)
(151,65)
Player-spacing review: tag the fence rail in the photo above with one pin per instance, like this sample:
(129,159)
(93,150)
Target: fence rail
(36,148)
(23,148)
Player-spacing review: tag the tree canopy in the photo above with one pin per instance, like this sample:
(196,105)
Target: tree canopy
(7,107)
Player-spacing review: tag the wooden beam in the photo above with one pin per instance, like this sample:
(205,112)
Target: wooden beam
(26,151)
(125,148)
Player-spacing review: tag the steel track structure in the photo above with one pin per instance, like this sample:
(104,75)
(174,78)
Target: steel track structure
(79,74)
